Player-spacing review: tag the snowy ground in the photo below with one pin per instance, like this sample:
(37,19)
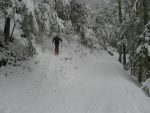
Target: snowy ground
(71,83)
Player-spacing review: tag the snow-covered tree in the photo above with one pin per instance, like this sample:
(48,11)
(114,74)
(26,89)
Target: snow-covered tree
(78,15)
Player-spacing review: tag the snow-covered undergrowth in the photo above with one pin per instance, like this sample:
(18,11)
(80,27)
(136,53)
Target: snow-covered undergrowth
(75,81)
(13,53)
(146,87)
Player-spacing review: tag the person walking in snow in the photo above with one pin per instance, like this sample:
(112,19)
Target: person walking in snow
(56,41)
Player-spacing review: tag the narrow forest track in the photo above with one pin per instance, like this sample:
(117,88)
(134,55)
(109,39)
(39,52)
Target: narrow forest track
(69,83)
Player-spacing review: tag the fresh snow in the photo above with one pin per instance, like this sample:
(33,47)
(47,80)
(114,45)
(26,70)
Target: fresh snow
(73,82)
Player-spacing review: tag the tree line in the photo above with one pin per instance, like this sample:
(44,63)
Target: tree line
(131,35)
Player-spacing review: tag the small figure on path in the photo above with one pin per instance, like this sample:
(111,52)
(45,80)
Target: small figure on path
(56,41)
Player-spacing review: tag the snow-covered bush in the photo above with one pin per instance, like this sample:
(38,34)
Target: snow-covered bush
(146,87)
(89,39)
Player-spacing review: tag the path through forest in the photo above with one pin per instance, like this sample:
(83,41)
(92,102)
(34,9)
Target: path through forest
(69,83)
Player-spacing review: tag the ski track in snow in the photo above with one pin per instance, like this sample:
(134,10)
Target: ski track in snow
(59,84)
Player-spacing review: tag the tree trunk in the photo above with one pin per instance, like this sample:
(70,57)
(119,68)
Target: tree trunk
(140,74)
(120,54)
(145,12)
(7,29)
(120,11)
(120,20)
(124,54)
(13,31)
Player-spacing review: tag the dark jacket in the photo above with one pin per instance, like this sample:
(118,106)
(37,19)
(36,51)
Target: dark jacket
(56,40)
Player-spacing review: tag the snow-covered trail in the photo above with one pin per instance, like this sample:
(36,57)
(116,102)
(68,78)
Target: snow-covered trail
(72,84)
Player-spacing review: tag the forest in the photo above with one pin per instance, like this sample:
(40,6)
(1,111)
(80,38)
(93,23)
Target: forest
(117,29)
